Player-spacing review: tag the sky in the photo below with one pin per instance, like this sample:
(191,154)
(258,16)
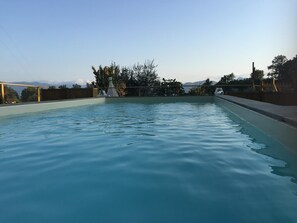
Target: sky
(190,40)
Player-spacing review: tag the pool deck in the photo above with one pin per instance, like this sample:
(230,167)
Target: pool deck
(287,114)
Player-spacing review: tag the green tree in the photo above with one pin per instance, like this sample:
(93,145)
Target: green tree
(227,78)
(147,77)
(29,94)
(207,87)
(257,75)
(127,75)
(52,87)
(171,87)
(289,72)
(10,96)
(102,75)
(276,68)
(146,74)
(98,76)
(198,91)
(127,78)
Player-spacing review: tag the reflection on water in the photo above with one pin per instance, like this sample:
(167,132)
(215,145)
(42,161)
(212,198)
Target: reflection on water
(289,167)
(285,160)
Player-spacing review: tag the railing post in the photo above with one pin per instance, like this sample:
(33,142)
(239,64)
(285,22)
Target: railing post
(2,92)
(38,94)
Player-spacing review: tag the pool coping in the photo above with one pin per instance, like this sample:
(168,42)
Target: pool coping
(25,108)
(271,125)
(286,114)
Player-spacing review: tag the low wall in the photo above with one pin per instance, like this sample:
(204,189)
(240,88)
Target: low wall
(71,93)
(278,98)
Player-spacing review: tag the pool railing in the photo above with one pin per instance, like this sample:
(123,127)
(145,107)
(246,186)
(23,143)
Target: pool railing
(3,84)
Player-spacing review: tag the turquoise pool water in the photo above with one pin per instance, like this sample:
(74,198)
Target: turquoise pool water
(174,162)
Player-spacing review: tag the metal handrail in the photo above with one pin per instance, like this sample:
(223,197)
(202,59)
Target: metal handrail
(20,85)
(2,84)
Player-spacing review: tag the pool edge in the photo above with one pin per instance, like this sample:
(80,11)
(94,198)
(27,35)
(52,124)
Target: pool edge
(277,129)
(287,114)
(20,109)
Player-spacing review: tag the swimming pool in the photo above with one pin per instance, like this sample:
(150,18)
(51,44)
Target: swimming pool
(143,162)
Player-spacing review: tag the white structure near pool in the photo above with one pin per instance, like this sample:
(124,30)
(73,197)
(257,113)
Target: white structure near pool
(169,159)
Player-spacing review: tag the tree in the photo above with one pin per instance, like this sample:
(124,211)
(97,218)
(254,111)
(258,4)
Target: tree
(146,74)
(170,87)
(63,86)
(52,87)
(127,75)
(200,91)
(276,68)
(292,71)
(29,94)
(207,82)
(102,75)
(257,75)
(127,79)
(288,73)
(208,88)
(10,96)
(146,77)
(227,78)
(90,85)
(76,86)
(98,76)
(205,89)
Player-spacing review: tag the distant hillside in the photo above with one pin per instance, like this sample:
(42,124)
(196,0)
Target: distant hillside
(34,83)
(41,84)
(189,85)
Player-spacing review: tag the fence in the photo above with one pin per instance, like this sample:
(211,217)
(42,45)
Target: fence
(3,93)
(43,94)
(262,91)
(68,93)
(279,98)
(143,91)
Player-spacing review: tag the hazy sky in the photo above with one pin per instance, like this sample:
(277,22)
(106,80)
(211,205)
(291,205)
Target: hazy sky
(190,40)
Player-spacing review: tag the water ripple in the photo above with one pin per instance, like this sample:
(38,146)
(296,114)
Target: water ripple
(178,162)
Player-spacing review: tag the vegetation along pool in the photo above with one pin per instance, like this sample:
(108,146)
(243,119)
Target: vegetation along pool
(143,162)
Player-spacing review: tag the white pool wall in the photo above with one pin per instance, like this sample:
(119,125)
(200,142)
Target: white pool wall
(281,131)
(19,109)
